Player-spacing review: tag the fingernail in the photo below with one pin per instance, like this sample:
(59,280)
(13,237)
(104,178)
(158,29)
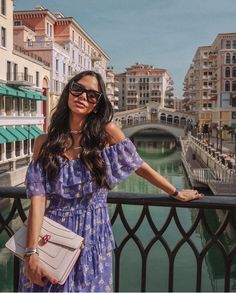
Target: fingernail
(54,282)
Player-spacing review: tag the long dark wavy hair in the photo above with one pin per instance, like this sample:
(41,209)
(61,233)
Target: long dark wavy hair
(93,138)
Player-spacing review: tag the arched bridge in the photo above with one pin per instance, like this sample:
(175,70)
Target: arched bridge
(152,116)
(172,129)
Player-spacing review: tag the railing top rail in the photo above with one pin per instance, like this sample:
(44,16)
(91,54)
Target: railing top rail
(212,202)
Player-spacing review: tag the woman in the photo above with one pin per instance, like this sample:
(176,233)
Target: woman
(83,156)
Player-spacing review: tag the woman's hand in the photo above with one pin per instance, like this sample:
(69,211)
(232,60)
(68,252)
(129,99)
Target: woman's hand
(188,194)
(35,271)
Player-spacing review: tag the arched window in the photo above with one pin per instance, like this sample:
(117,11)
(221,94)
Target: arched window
(234,72)
(227,72)
(234,58)
(234,86)
(227,58)
(227,86)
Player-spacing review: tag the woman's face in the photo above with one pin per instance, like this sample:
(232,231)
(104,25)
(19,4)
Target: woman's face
(78,103)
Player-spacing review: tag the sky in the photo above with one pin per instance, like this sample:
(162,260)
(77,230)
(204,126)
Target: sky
(162,33)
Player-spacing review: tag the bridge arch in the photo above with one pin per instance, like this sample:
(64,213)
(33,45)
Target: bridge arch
(130,130)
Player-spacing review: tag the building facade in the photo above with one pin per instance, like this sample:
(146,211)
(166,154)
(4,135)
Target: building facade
(24,90)
(142,84)
(63,42)
(210,83)
(112,89)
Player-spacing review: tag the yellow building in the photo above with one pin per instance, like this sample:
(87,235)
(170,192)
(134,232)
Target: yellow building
(24,88)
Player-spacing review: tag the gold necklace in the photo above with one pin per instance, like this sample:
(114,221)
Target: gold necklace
(77,147)
(79,131)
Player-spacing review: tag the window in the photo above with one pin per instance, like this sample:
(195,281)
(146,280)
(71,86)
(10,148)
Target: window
(234,58)
(25,73)
(234,44)
(57,64)
(2,107)
(3,37)
(37,78)
(64,68)
(227,58)
(50,32)
(227,72)
(227,44)
(234,72)
(73,35)
(8,70)
(9,106)
(227,86)
(25,147)
(17,148)
(8,150)
(234,86)
(48,29)
(15,71)
(3,7)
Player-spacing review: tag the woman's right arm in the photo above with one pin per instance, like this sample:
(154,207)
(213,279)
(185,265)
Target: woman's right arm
(34,270)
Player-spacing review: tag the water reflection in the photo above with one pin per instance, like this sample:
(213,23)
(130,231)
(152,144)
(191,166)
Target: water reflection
(162,154)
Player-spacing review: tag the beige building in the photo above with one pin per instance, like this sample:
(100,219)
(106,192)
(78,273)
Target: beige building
(142,84)
(24,84)
(62,42)
(112,90)
(210,83)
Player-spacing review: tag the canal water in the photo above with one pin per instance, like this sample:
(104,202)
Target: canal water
(160,152)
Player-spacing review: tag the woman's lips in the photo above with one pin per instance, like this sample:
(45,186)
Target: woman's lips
(79,104)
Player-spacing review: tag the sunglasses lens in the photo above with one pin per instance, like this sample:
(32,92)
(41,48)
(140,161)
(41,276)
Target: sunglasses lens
(93,97)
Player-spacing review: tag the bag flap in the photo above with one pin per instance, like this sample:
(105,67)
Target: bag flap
(60,234)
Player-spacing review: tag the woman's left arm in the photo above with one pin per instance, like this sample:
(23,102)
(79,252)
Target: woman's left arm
(159,181)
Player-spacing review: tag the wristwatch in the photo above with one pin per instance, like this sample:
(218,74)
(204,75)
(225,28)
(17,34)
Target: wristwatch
(175,193)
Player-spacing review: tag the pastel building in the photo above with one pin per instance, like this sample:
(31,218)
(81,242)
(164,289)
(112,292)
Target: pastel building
(24,92)
(210,83)
(141,84)
(62,42)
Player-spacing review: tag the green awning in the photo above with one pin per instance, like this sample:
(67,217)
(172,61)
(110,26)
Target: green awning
(23,131)
(233,125)
(6,90)
(32,133)
(31,94)
(7,135)
(37,129)
(16,133)
(2,140)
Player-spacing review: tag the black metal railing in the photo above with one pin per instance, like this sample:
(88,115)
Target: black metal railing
(227,205)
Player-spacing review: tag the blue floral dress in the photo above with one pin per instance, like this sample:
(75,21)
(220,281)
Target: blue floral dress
(80,205)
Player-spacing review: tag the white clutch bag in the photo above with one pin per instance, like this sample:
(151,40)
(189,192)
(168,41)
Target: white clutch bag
(58,254)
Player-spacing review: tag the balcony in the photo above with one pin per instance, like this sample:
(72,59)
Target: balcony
(20,79)
(153,237)
(31,55)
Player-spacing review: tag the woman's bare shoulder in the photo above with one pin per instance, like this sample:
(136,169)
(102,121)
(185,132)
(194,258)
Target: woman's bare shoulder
(39,141)
(114,132)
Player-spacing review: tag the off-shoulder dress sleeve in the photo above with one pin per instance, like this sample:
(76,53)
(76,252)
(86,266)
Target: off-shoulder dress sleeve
(35,180)
(121,160)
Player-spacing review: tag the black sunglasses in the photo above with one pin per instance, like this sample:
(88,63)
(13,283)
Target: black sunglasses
(76,89)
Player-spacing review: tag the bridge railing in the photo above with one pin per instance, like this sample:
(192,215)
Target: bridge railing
(152,121)
(200,209)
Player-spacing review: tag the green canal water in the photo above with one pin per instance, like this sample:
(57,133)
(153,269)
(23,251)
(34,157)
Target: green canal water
(158,151)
